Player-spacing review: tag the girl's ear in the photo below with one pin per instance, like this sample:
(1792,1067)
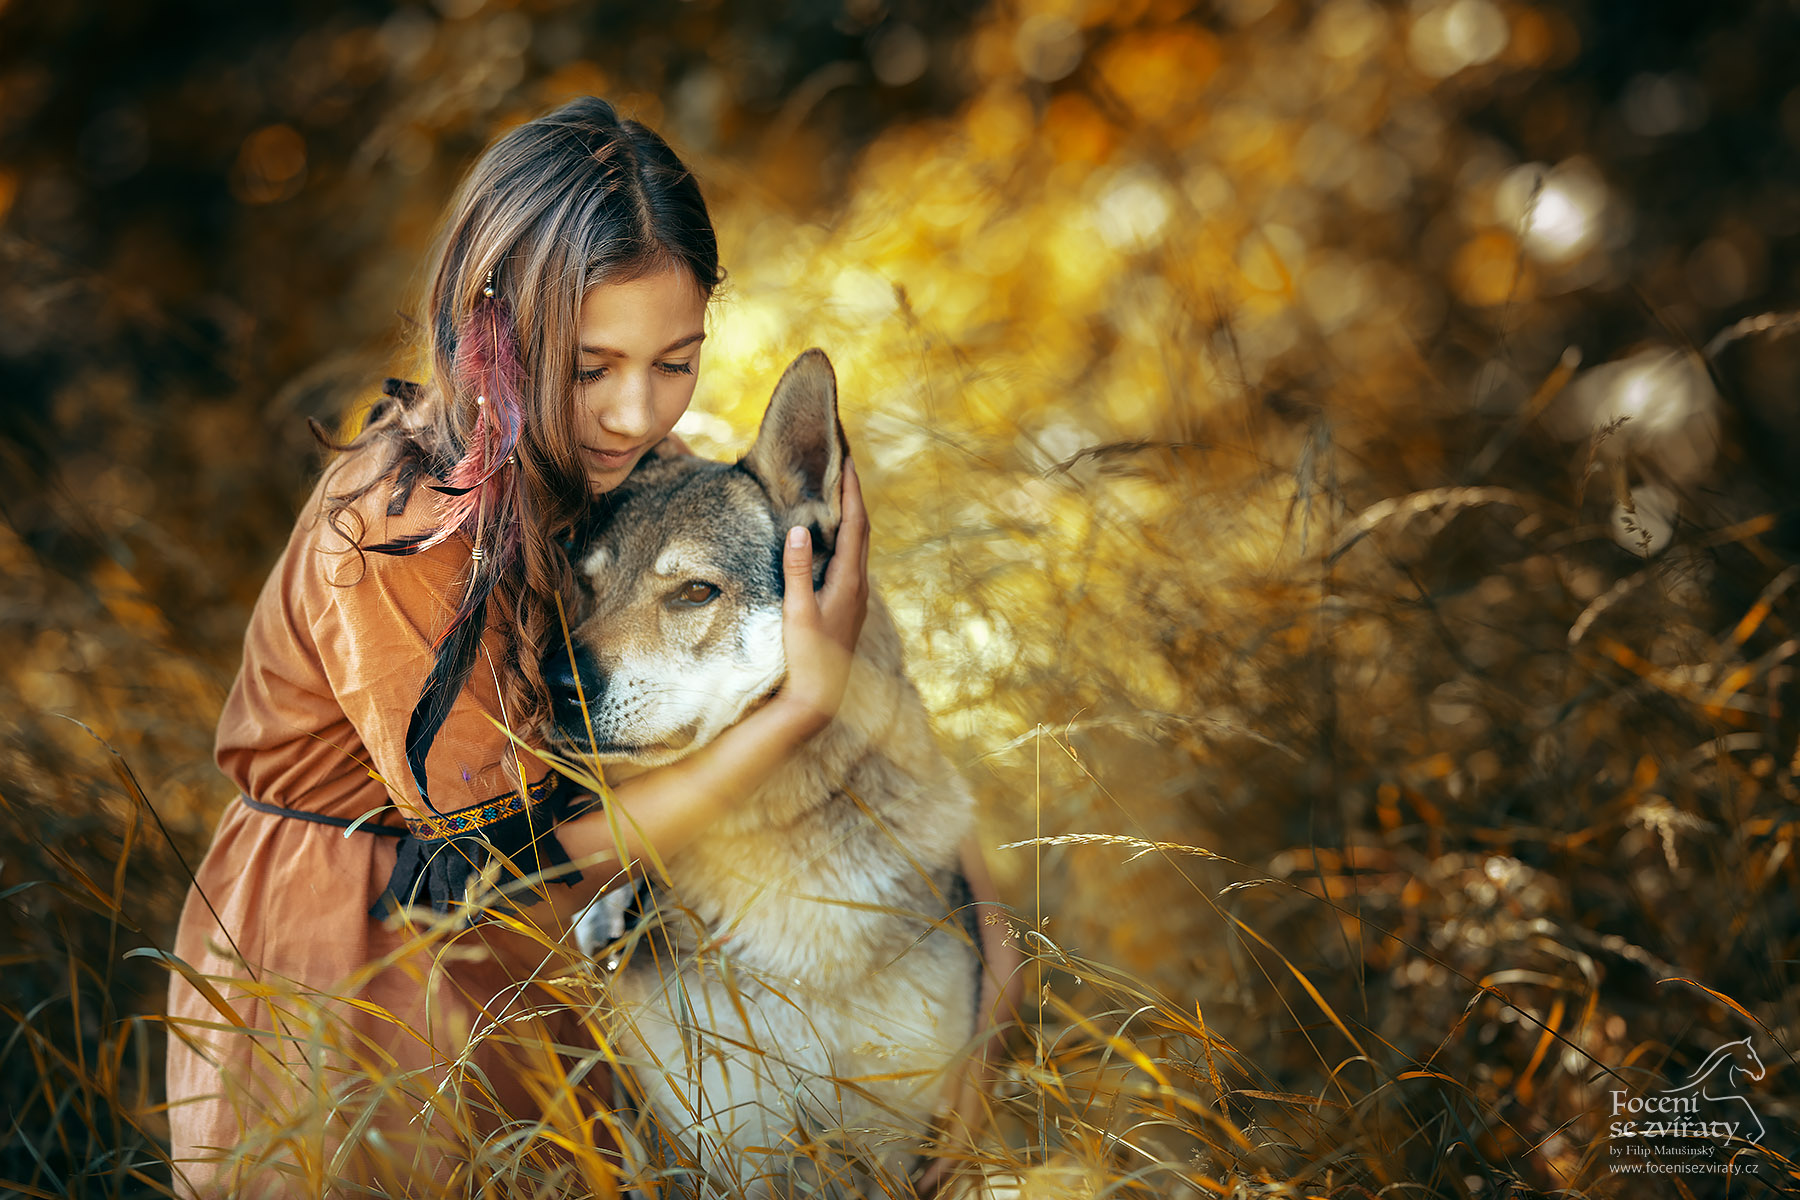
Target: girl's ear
(800,448)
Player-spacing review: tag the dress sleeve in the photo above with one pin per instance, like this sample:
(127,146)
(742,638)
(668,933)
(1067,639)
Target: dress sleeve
(375,620)
(375,630)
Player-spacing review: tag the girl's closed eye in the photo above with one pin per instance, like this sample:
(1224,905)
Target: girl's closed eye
(593,374)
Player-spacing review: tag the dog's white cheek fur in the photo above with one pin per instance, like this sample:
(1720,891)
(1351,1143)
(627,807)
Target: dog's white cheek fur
(668,696)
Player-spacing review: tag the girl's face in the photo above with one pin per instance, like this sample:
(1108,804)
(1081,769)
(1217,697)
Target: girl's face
(636,368)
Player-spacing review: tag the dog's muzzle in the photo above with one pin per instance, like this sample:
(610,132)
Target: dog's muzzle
(573,682)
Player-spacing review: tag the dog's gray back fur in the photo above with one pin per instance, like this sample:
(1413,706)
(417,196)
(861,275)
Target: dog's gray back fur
(805,983)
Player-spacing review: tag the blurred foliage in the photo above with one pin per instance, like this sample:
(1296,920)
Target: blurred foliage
(1320,444)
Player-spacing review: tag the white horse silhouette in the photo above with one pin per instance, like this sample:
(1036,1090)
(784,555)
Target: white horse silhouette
(1737,1058)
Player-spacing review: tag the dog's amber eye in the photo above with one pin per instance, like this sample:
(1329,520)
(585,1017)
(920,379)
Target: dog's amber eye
(696,593)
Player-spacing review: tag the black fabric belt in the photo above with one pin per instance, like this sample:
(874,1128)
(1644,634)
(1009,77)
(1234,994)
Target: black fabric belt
(275,810)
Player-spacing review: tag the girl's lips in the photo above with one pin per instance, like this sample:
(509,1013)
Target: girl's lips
(609,458)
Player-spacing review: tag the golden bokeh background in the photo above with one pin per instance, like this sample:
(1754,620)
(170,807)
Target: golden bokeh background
(1329,461)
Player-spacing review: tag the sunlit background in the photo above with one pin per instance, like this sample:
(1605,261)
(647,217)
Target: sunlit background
(1331,463)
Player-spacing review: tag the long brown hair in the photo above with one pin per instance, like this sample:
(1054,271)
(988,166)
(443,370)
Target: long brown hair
(575,198)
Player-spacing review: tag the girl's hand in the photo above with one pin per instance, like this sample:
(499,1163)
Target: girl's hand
(668,806)
(819,632)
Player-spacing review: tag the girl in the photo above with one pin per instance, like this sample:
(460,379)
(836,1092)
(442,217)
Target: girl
(393,659)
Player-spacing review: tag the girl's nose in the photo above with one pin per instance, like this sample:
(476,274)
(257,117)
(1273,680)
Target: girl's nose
(629,415)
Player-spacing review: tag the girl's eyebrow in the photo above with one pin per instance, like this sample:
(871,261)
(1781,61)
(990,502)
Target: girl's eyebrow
(605,352)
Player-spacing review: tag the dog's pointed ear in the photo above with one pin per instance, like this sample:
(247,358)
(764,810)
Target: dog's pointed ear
(800,448)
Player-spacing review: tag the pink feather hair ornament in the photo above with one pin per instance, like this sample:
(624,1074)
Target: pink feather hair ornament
(479,486)
(479,498)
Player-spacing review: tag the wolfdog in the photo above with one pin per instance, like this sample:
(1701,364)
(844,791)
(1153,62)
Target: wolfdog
(797,990)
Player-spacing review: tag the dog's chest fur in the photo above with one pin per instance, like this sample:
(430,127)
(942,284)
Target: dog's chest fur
(868,818)
(808,980)
(807,938)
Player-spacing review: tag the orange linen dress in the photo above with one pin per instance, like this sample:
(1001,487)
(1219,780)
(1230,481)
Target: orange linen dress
(338,1048)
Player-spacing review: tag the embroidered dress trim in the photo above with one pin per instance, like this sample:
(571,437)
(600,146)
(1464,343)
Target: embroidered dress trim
(478,816)
(440,856)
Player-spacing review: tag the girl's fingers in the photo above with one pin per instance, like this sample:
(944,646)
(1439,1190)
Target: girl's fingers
(798,603)
(813,638)
(849,569)
(853,496)
(820,631)
(855,523)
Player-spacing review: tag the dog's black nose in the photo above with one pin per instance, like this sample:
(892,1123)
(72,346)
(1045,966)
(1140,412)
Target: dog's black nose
(571,681)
